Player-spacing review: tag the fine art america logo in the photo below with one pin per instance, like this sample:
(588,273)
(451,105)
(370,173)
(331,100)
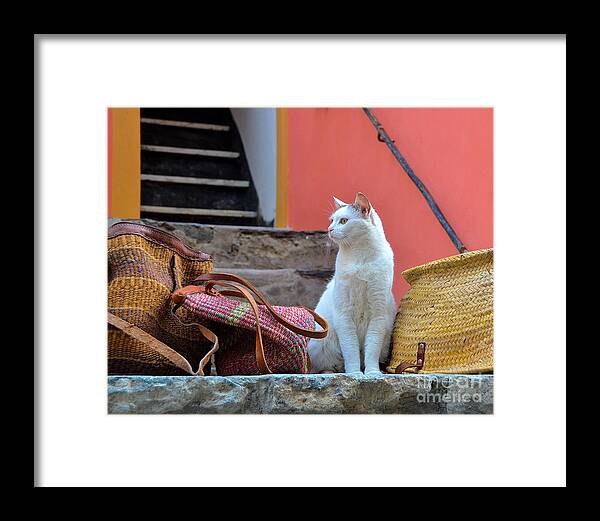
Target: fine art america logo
(439,389)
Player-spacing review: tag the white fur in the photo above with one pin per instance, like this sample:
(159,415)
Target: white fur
(358,301)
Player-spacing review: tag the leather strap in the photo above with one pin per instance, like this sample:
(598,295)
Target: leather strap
(217,278)
(420,360)
(164,350)
(209,335)
(179,296)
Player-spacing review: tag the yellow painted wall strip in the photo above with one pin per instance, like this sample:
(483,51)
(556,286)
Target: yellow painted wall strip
(125,163)
(281,212)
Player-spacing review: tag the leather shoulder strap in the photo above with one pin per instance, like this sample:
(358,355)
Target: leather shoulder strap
(179,296)
(218,278)
(162,349)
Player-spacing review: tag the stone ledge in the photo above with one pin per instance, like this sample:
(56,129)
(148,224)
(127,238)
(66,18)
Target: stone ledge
(256,247)
(287,287)
(301,394)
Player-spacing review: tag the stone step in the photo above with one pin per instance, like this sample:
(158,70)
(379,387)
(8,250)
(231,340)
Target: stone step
(250,247)
(301,394)
(211,212)
(290,268)
(286,287)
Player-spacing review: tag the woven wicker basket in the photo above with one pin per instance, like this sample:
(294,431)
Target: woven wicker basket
(449,307)
(445,320)
(145,266)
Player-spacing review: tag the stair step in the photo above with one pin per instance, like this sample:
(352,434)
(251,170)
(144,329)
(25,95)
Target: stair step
(213,116)
(283,286)
(230,183)
(191,151)
(208,212)
(255,247)
(183,137)
(186,195)
(185,124)
(192,166)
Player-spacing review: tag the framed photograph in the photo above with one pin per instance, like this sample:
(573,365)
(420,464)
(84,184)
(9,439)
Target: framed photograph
(305,260)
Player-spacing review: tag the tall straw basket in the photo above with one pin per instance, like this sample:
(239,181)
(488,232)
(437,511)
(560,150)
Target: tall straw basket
(445,320)
(449,307)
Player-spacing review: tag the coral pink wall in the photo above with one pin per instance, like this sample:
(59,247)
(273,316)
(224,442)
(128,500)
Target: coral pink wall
(336,152)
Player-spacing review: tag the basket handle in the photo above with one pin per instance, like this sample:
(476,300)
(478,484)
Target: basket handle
(163,349)
(383,136)
(180,294)
(420,360)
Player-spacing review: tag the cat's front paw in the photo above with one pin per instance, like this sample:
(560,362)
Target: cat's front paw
(373,372)
(352,368)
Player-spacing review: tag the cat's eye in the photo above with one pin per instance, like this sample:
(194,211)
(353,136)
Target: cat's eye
(343,220)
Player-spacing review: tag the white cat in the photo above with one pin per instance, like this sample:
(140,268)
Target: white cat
(358,301)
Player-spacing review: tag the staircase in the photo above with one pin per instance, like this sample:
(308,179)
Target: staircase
(194,168)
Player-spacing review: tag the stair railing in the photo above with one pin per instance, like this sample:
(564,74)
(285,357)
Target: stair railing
(383,136)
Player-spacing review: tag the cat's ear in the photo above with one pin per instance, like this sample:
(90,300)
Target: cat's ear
(362,203)
(338,203)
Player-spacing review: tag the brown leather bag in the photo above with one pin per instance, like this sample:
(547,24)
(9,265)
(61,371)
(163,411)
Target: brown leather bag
(145,265)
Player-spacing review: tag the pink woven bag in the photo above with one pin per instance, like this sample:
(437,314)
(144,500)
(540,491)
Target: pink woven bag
(254,337)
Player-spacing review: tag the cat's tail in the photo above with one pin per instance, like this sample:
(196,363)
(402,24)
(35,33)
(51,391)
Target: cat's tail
(324,356)
(315,353)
